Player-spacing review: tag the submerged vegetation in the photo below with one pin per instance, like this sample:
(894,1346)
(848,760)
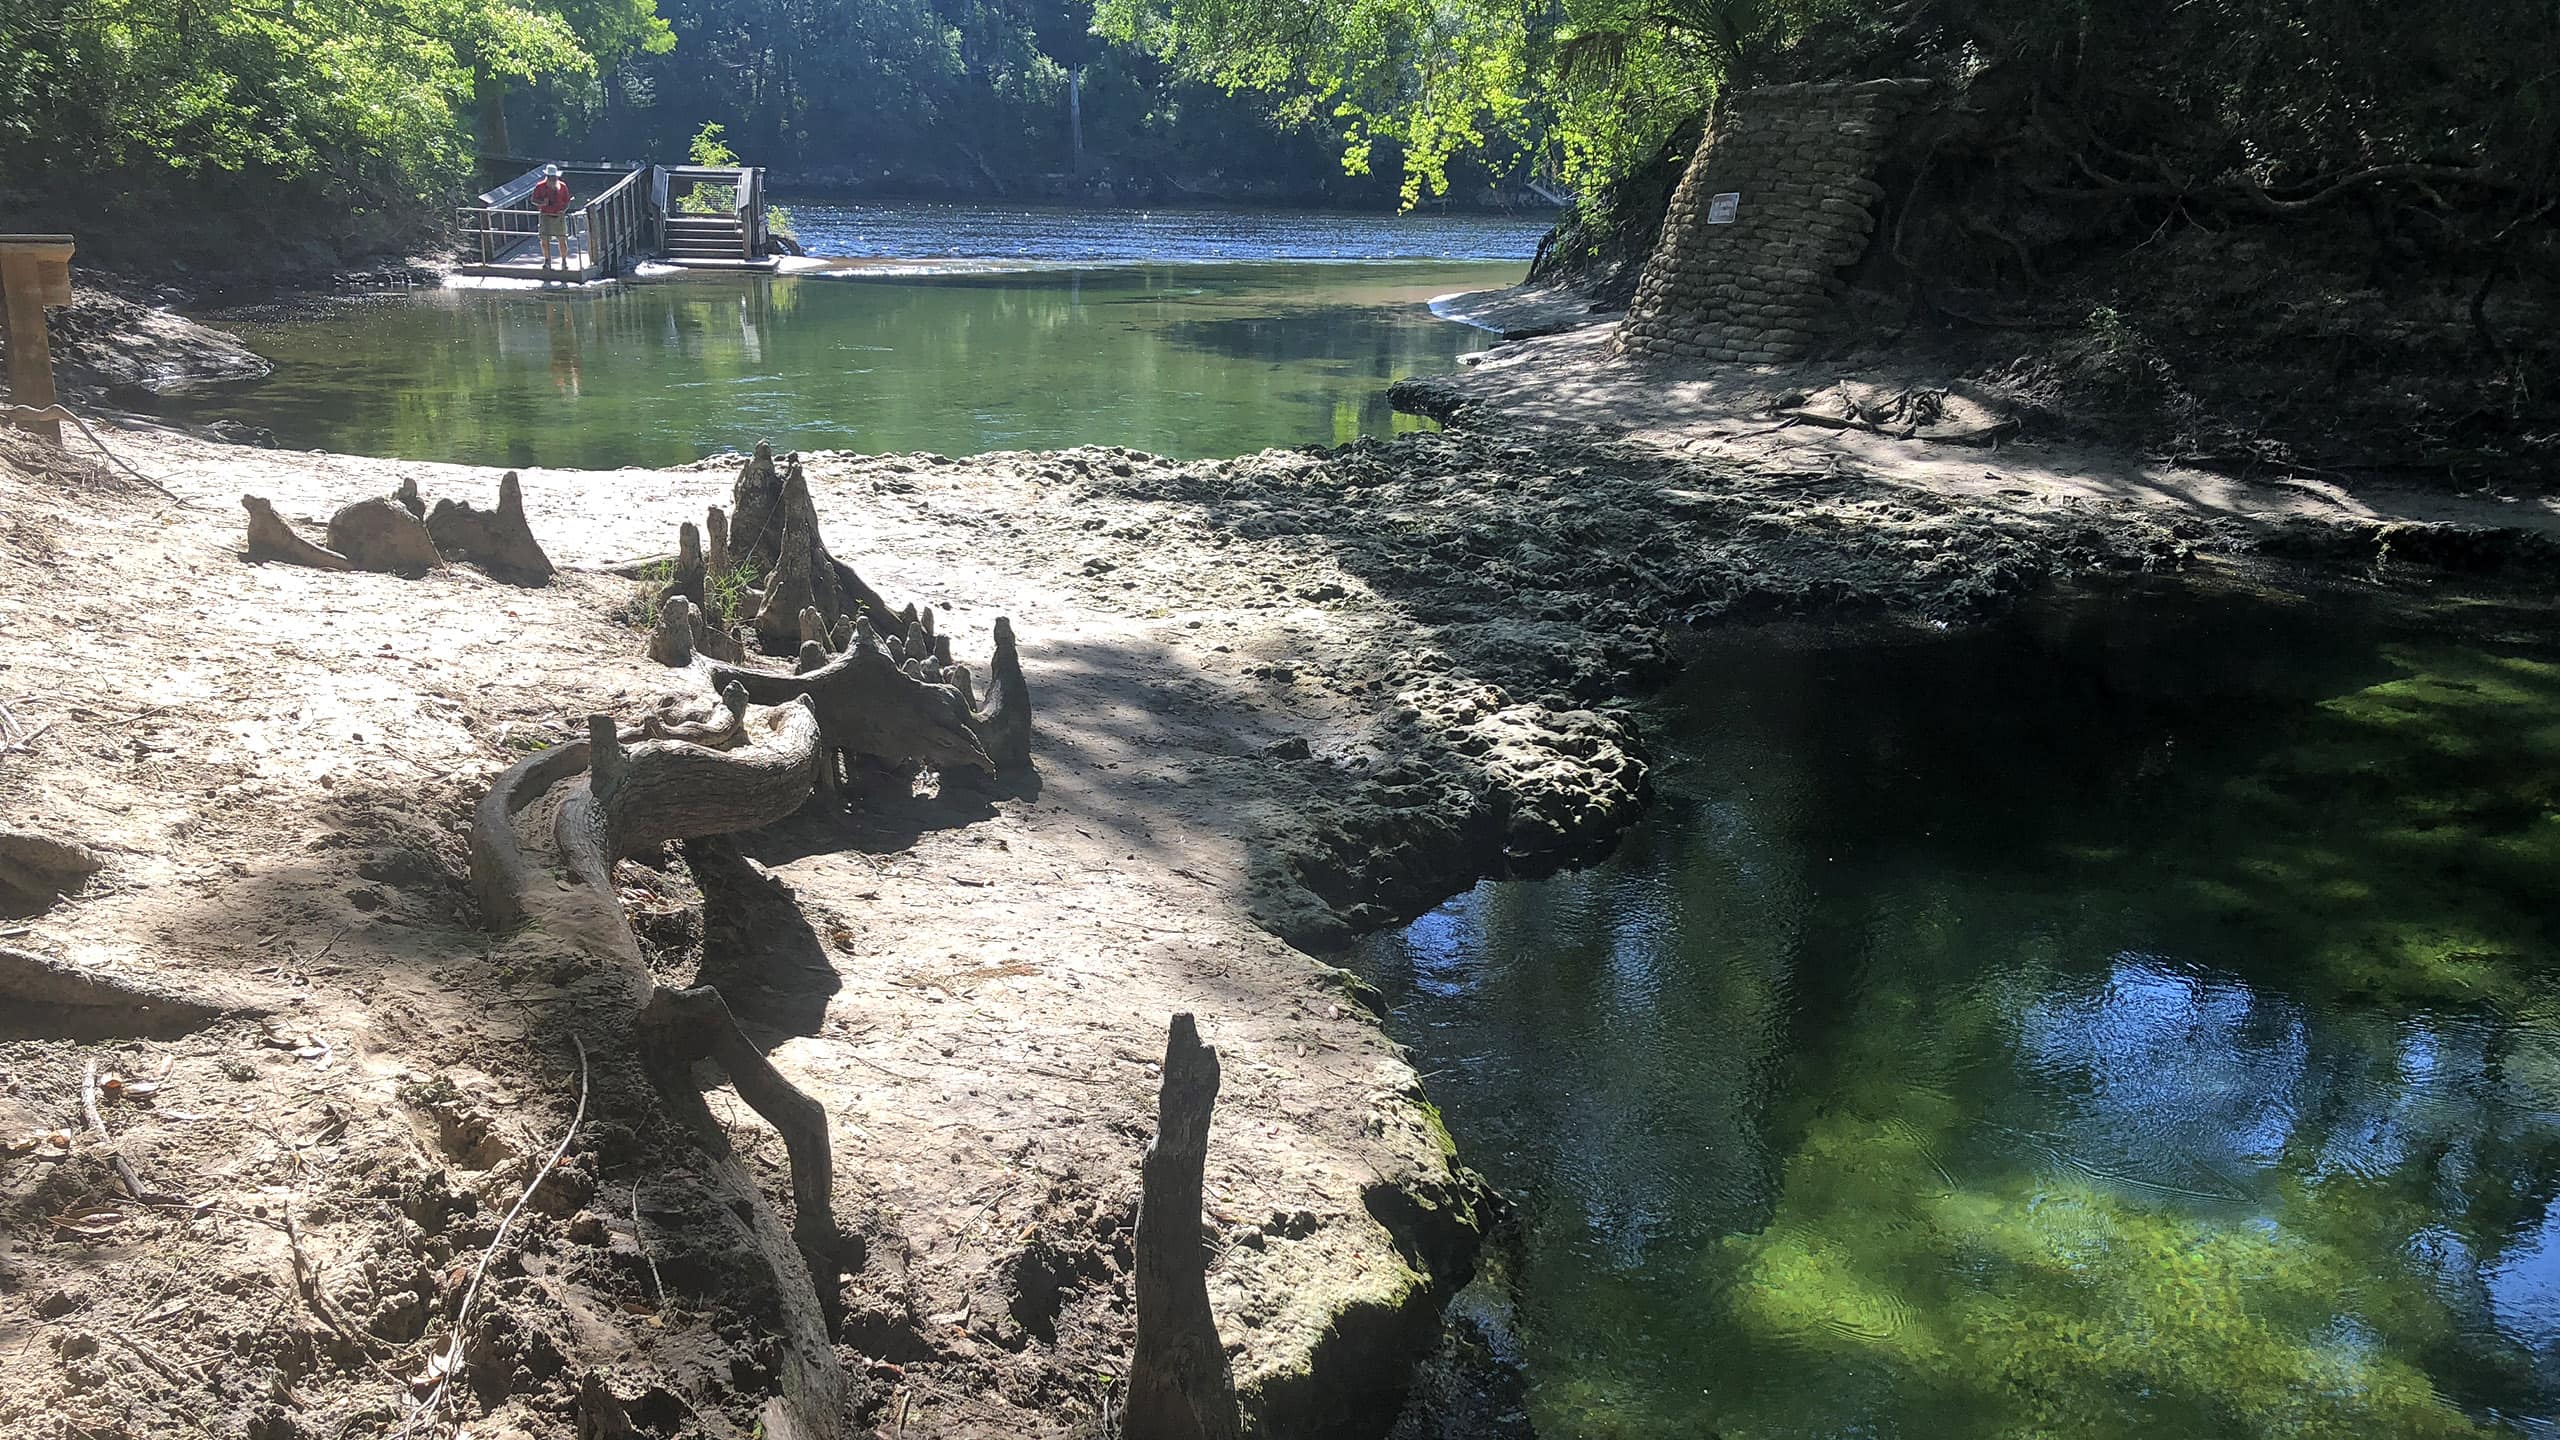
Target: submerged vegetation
(2165,1049)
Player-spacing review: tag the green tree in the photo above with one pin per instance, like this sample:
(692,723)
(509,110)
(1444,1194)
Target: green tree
(336,120)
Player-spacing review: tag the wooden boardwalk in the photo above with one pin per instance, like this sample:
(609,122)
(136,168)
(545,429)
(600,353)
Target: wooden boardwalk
(621,214)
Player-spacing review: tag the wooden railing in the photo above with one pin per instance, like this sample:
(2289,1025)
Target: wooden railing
(626,220)
(603,233)
(745,184)
(616,224)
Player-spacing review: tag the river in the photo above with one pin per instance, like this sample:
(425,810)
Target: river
(1188,333)
(2135,1019)
(2132,1020)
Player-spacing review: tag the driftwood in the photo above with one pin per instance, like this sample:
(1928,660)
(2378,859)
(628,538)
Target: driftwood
(499,541)
(270,538)
(1179,1384)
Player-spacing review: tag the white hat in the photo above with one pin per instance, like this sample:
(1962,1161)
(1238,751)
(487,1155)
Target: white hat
(551,170)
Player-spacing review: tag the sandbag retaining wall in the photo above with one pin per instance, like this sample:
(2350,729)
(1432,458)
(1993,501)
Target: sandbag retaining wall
(1757,290)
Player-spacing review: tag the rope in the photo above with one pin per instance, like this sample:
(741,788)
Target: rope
(23,414)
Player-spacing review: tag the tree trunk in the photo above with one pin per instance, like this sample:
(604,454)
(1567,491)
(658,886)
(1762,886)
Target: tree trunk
(489,94)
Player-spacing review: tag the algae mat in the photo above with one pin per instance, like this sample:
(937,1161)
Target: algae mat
(2134,1020)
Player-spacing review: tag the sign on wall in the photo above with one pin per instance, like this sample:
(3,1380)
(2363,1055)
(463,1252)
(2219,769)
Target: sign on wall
(1721,208)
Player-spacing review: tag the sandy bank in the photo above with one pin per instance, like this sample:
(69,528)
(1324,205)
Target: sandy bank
(278,764)
(1279,699)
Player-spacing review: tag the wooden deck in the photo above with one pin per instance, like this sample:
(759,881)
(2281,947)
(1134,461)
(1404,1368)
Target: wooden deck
(623,213)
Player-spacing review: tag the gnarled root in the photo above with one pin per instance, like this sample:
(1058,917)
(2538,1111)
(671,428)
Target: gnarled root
(870,710)
(499,541)
(678,1027)
(758,766)
(272,539)
(32,984)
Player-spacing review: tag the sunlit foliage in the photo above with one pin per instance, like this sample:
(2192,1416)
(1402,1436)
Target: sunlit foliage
(350,108)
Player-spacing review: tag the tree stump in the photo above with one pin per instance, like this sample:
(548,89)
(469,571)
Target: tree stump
(1179,1385)
(773,524)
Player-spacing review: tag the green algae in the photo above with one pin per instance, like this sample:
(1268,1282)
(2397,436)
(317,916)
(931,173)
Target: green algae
(2142,1025)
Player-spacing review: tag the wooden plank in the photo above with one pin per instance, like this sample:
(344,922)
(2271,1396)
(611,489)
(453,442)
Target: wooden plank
(35,271)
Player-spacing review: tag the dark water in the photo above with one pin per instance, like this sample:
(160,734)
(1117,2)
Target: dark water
(2139,1021)
(1223,341)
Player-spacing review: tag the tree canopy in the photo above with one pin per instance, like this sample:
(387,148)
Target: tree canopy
(2222,94)
(353,109)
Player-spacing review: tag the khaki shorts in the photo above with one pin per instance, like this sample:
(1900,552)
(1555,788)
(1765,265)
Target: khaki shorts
(556,227)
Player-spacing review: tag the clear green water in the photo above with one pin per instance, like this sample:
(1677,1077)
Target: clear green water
(2137,1021)
(1191,360)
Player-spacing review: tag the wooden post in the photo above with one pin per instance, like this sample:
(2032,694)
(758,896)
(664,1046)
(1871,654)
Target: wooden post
(1179,1386)
(35,273)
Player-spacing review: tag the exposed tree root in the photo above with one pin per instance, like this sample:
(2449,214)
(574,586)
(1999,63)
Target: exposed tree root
(381,534)
(870,710)
(270,538)
(36,870)
(886,691)
(774,526)
(499,541)
(397,534)
(1179,1384)
(760,765)
(56,997)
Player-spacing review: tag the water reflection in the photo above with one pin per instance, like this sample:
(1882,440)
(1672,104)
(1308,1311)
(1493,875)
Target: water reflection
(2134,1022)
(1191,361)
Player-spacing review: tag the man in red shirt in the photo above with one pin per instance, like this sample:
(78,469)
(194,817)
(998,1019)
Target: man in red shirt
(551,199)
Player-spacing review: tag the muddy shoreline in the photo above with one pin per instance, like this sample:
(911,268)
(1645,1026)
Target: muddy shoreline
(1282,700)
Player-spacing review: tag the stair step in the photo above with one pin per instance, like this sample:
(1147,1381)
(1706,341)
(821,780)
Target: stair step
(697,223)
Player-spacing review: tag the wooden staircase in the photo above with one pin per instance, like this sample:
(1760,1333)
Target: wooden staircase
(635,212)
(692,238)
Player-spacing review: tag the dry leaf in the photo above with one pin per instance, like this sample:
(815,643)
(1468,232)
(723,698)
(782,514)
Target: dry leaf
(42,1144)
